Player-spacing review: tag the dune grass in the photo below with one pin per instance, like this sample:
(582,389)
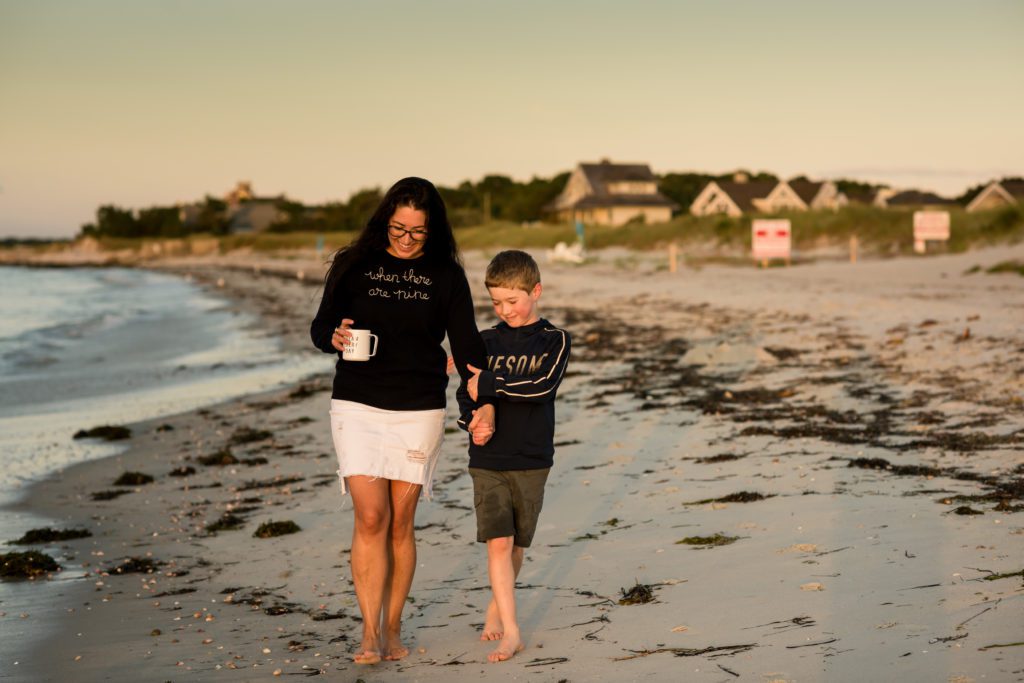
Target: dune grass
(879,231)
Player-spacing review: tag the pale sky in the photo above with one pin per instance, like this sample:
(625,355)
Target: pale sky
(142,103)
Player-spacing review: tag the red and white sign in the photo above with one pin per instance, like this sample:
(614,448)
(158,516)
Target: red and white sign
(771,238)
(931,225)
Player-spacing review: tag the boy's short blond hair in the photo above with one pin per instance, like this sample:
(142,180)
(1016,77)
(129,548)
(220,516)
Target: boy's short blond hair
(513,269)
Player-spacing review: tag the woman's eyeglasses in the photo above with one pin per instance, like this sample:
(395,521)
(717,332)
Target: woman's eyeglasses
(398,233)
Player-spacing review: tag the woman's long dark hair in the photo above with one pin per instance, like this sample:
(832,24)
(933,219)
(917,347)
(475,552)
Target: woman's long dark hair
(415,193)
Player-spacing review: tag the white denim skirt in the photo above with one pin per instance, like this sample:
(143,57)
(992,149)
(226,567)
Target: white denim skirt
(401,445)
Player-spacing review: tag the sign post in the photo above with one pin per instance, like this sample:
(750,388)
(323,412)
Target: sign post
(771,239)
(930,225)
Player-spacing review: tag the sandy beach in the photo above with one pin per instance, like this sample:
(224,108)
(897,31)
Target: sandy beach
(812,473)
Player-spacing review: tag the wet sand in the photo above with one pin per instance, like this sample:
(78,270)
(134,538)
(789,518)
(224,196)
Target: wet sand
(811,473)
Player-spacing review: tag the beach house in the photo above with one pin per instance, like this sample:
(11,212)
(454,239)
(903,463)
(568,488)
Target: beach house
(742,195)
(606,193)
(999,193)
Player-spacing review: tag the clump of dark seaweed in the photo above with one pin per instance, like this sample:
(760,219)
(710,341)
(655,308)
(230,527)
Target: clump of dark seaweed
(966,510)
(218,459)
(269,483)
(133,479)
(183,471)
(105,432)
(1005,575)
(49,535)
(136,565)
(708,541)
(722,457)
(640,594)
(738,497)
(27,565)
(244,435)
(109,494)
(227,522)
(272,529)
(905,470)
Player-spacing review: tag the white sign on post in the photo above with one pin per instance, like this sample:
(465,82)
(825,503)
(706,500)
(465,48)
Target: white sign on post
(930,225)
(771,239)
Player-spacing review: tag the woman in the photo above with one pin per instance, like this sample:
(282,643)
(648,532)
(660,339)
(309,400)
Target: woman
(402,280)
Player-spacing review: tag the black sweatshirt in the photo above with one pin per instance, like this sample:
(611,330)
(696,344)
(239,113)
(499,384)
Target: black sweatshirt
(525,365)
(409,304)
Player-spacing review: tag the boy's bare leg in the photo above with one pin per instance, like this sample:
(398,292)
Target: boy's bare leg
(492,622)
(369,558)
(503,584)
(404,497)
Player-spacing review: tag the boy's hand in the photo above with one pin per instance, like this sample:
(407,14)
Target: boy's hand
(341,335)
(482,426)
(472,386)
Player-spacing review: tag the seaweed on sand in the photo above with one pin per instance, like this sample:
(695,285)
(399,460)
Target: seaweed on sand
(272,529)
(110,494)
(50,535)
(738,497)
(244,435)
(640,594)
(708,541)
(136,565)
(219,459)
(133,479)
(105,432)
(227,522)
(27,565)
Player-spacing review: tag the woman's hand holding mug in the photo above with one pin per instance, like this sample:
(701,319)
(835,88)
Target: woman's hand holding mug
(341,335)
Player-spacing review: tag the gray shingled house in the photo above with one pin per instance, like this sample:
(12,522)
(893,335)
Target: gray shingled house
(611,194)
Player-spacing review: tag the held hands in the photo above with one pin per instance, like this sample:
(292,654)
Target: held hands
(342,336)
(473,385)
(450,368)
(481,428)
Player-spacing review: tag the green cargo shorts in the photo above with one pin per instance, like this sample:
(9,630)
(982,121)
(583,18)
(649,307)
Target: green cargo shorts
(508,503)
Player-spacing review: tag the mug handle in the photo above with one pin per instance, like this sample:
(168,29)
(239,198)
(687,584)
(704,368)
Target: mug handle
(375,340)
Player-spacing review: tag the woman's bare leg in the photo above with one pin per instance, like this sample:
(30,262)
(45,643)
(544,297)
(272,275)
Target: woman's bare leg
(370,499)
(404,497)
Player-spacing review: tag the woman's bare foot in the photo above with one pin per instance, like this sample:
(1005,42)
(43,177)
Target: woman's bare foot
(395,651)
(369,651)
(366,657)
(510,645)
(492,624)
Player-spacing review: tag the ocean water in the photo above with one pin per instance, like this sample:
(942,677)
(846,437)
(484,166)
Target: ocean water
(86,347)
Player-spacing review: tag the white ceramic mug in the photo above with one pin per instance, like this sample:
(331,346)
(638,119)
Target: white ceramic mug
(359,346)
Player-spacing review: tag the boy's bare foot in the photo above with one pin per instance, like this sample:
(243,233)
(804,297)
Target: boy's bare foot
(492,624)
(509,646)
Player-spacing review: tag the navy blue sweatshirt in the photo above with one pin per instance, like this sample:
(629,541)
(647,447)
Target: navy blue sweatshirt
(409,304)
(525,365)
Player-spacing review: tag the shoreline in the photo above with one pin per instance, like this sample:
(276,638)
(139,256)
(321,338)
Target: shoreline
(669,377)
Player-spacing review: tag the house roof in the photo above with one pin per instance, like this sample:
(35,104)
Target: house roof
(599,175)
(916,197)
(744,194)
(596,201)
(1014,186)
(807,190)
(607,172)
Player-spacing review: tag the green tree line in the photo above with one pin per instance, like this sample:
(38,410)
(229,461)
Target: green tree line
(492,198)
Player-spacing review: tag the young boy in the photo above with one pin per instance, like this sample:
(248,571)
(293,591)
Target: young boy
(526,359)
